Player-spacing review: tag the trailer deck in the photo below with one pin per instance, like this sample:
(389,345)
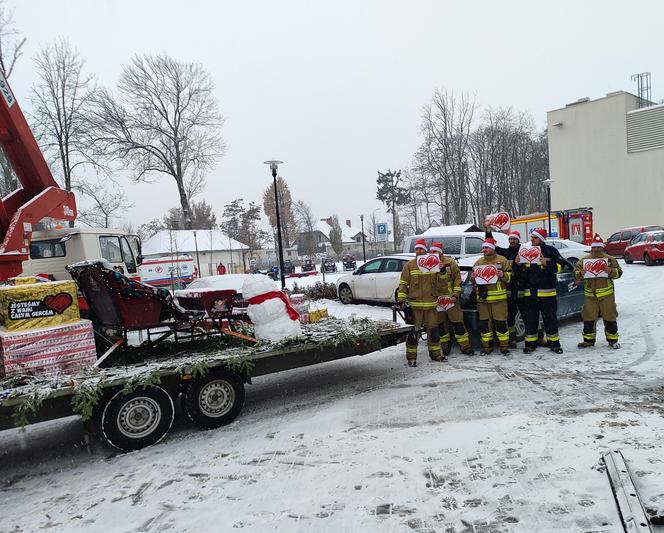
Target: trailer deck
(131,405)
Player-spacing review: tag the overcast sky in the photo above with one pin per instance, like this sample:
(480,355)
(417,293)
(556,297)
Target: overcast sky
(335,89)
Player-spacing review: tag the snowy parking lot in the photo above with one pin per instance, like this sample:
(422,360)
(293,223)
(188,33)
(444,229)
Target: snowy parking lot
(477,444)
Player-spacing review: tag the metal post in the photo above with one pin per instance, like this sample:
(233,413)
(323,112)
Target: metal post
(276,205)
(548,200)
(198,260)
(364,251)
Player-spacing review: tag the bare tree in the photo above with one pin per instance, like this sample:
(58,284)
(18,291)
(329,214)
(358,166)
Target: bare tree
(11,49)
(107,203)
(307,225)
(446,128)
(286,214)
(164,120)
(59,103)
(11,42)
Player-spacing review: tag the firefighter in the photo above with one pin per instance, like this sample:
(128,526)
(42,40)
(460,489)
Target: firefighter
(515,300)
(492,299)
(539,282)
(599,297)
(449,284)
(419,290)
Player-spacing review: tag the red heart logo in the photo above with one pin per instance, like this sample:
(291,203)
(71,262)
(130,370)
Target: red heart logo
(595,267)
(486,273)
(59,302)
(446,302)
(500,221)
(428,262)
(531,253)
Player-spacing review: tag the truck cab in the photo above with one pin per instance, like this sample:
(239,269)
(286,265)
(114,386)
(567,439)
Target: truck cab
(52,250)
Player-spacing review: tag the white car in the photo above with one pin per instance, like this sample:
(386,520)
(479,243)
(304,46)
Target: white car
(376,280)
(227,281)
(570,250)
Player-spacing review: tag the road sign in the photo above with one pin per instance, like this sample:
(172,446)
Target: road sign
(381,231)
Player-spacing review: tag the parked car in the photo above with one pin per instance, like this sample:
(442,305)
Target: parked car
(376,280)
(289,267)
(570,250)
(616,243)
(349,262)
(457,240)
(647,246)
(308,265)
(227,281)
(569,294)
(329,266)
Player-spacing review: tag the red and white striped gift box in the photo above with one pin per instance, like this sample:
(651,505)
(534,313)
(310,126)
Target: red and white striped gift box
(55,350)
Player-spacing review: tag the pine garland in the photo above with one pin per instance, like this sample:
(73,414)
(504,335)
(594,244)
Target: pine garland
(88,385)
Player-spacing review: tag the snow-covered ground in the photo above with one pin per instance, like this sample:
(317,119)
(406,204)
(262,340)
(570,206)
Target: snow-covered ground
(486,444)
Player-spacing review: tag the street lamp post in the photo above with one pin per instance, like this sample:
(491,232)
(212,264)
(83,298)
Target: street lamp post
(198,260)
(364,250)
(274,166)
(548,201)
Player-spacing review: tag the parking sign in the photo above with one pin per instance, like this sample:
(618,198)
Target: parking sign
(381,231)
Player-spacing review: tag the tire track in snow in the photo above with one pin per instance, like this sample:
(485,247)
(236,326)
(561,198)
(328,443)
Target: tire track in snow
(651,347)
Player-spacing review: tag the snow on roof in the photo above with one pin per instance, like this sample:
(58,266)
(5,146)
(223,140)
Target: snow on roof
(450,230)
(347,233)
(166,242)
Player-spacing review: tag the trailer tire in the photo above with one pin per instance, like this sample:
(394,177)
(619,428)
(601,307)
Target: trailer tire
(134,420)
(213,400)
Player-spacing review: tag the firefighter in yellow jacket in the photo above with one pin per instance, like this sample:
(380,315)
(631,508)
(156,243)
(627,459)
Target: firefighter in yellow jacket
(492,297)
(598,292)
(449,284)
(418,288)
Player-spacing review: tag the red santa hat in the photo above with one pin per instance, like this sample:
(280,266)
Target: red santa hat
(489,243)
(597,242)
(516,234)
(421,243)
(540,233)
(436,247)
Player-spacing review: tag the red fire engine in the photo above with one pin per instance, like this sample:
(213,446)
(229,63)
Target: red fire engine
(573,224)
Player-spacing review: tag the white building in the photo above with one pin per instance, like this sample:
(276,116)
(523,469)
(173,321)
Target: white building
(608,154)
(213,246)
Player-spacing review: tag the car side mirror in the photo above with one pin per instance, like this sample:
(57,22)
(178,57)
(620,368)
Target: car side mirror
(139,259)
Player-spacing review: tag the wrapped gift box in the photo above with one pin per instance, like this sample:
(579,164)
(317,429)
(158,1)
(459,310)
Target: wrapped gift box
(38,305)
(58,349)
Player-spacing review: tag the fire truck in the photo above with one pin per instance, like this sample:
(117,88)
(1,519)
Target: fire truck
(573,224)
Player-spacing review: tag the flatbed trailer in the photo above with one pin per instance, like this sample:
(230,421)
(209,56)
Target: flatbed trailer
(131,406)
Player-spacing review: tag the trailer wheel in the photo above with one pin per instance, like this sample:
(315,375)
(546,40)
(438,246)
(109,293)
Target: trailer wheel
(214,400)
(131,421)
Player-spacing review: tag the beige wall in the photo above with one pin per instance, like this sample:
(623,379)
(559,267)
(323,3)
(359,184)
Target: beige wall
(590,166)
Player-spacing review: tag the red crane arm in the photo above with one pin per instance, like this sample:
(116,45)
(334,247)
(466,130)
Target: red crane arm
(39,197)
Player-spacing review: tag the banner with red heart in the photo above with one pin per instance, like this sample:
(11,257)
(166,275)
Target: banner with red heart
(530,254)
(498,221)
(58,302)
(485,274)
(595,268)
(445,303)
(428,263)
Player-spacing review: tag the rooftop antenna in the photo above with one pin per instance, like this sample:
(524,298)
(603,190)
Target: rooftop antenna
(643,85)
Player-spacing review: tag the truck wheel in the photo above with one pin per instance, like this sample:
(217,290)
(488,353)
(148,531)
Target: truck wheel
(214,400)
(345,295)
(131,421)
(648,260)
(628,259)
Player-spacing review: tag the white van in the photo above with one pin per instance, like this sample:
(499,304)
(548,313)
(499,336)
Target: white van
(458,241)
(51,251)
